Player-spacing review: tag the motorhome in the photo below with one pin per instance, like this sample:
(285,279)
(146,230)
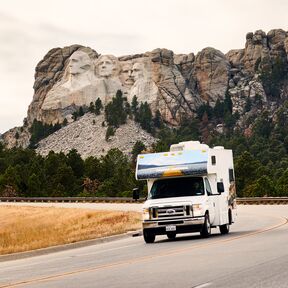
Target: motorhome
(191,188)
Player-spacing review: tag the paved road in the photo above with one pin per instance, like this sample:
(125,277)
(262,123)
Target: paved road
(254,254)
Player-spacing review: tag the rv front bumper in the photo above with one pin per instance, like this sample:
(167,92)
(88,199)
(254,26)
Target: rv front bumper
(184,225)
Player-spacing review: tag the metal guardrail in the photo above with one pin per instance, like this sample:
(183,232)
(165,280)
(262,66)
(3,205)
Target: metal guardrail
(243,201)
(72,199)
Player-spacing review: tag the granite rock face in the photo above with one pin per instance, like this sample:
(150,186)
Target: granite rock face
(212,74)
(16,137)
(264,49)
(175,84)
(76,76)
(261,52)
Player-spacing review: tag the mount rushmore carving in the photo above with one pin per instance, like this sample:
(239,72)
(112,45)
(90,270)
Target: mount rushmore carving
(153,77)
(85,79)
(176,85)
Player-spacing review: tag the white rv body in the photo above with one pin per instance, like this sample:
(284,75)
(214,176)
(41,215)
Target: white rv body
(180,209)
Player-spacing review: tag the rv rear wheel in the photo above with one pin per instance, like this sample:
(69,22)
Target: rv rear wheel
(149,237)
(206,229)
(224,229)
(171,235)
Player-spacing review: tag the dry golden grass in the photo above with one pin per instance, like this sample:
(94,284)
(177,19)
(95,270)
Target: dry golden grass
(29,228)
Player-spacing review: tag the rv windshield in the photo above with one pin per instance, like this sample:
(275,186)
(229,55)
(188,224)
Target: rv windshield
(177,187)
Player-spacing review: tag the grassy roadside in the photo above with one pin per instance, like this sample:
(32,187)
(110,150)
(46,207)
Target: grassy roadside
(29,228)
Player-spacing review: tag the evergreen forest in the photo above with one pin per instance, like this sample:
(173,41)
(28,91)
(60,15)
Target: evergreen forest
(260,157)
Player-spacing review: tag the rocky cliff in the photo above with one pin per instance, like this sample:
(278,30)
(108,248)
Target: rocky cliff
(88,137)
(176,85)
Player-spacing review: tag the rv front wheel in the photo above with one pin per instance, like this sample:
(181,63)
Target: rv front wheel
(148,236)
(206,229)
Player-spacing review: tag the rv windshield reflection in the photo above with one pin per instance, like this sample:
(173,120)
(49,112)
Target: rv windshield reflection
(177,187)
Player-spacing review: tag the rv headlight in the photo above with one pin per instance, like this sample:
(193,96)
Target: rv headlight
(197,209)
(146,214)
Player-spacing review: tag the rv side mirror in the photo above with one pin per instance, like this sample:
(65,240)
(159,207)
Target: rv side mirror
(220,187)
(136,194)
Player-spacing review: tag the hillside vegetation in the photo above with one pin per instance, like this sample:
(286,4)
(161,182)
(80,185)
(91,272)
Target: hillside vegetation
(260,158)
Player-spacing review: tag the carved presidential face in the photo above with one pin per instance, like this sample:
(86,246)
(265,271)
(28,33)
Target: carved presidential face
(137,71)
(79,62)
(126,75)
(105,66)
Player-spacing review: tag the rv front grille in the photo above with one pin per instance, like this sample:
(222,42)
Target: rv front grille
(171,212)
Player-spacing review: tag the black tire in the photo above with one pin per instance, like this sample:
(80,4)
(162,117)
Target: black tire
(206,229)
(230,217)
(224,229)
(149,237)
(171,235)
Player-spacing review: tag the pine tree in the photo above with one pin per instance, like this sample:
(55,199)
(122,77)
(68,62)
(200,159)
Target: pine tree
(75,161)
(219,108)
(128,109)
(81,111)
(34,185)
(228,103)
(109,132)
(92,167)
(39,131)
(134,106)
(117,173)
(157,120)
(65,122)
(145,117)
(98,106)
(204,109)
(91,107)
(272,77)
(75,115)
(115,113)
(137,149)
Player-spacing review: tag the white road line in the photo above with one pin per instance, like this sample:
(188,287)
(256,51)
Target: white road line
(203,285)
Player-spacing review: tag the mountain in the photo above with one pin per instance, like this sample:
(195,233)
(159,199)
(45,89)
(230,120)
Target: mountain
(178,87)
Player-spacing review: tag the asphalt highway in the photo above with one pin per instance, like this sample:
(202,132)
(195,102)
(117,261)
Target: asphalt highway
(253,254)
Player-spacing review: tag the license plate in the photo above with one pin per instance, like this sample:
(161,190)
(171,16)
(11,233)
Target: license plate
(171,228)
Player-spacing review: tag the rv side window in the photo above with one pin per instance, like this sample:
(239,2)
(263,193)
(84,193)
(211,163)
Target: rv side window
(231,175)
(213,160)
(208,187)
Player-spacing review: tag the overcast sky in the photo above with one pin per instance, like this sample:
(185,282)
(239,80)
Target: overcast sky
(30,28)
